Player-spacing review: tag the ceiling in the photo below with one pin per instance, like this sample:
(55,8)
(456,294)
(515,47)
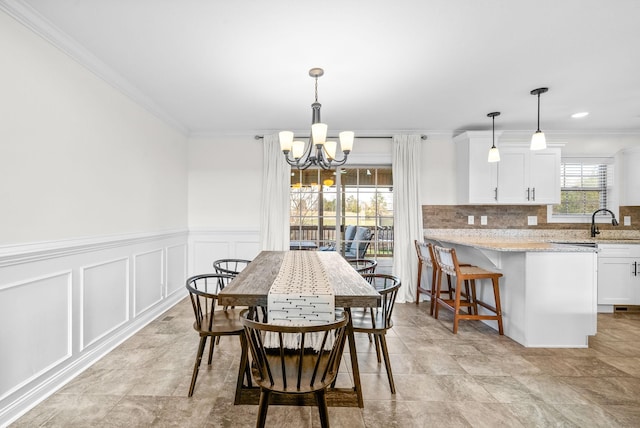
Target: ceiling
(239,67)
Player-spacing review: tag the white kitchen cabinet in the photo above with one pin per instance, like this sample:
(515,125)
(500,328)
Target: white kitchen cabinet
(521,177)
(630,176)
(528,176)
(477,179)
(618,274)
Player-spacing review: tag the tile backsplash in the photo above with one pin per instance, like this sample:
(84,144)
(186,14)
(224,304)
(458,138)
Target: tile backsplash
(509,217)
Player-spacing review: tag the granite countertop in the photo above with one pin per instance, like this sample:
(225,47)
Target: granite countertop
(523,240)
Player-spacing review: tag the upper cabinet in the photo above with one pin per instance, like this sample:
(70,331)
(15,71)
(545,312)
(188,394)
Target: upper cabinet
(630,176)
(521,177)
(528,176)
(477,179)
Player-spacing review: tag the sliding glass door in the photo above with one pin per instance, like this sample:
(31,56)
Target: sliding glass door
(324,203)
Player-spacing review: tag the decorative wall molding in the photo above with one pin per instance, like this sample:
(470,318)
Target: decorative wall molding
(104,301)
(44,301)
(87,283)
(38,251)
(207,245)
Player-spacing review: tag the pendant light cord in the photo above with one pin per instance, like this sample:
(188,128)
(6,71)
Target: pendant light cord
(493,132)
(538,112)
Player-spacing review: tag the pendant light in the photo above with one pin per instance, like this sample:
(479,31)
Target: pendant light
(494,154)
(538,142)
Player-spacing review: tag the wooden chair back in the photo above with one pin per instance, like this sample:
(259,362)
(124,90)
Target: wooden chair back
(295,371)
(387,286)
(364,266)
(230,266)
(203,292)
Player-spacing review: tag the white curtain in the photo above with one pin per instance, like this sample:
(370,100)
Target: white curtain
(407,212)
(274,204)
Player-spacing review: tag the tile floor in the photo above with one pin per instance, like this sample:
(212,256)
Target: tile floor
(475,378)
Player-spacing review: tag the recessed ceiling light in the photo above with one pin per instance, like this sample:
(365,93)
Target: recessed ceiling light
(579,115)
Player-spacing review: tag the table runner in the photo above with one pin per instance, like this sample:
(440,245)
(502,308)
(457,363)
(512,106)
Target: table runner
(301,294)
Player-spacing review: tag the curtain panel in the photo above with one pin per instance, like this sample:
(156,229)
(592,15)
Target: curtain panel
(274,204)
(407,212)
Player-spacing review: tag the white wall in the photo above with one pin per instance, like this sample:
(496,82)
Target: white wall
(225,182)
(78,158)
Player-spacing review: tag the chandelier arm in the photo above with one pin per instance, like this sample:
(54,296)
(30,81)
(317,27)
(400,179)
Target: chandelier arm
(321,158)
(340,162)
(345,154)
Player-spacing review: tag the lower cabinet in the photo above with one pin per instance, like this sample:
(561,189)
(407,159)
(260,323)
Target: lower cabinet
(618,274)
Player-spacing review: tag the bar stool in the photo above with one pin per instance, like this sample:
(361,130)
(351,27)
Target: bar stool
(426,257)
(448,264)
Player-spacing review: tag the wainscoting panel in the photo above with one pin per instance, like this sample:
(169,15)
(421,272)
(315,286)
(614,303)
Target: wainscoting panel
(148,280)
(205,253)
(65,304)
(105,299)
(35,328)
(176,269)
(206,246)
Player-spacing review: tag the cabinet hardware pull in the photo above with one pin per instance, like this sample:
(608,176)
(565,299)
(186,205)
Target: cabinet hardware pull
(635,268)
(534,193)
(496,191)
(528,193)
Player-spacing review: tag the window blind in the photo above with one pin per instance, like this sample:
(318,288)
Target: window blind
(585,185)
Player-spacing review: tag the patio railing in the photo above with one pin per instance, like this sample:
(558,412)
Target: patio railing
(381,243)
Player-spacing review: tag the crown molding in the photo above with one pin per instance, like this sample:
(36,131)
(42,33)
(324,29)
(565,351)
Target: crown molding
(37,23)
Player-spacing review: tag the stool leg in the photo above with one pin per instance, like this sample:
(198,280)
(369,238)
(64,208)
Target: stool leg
(473,296)
(467,291)
(437,287)
(432,290)
(456,307)
(419,279)
(496,294)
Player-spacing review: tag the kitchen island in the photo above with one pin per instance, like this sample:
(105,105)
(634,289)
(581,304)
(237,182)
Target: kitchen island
(548,290)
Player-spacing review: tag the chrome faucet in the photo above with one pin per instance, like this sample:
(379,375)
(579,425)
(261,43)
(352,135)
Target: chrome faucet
(594,228)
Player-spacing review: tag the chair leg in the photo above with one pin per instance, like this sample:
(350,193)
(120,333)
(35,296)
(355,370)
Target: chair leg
(321,399)
(262,407)
(196,367)
(211,346)
(376,339)
(387,362)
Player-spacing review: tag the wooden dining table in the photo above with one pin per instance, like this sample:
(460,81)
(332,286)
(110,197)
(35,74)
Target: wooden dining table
(251,288)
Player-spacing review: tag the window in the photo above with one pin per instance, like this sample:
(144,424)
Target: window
(323,203)
(585,187)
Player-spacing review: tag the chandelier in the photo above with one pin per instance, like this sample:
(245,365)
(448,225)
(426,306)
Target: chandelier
(317,151)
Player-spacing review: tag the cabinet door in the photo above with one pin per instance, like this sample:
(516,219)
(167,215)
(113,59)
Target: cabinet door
(483,176)
(544,176)
(615,281)
(513,170)
(630,177)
